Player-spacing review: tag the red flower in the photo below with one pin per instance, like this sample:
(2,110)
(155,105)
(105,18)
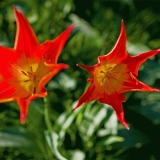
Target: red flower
(115,74)
(26,68)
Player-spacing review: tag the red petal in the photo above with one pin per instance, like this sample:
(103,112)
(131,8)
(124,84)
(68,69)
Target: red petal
(6,91)
(118,53)
(7,87)
(55,68)
(115,102)
(89,69)
(134,62)
(133,84)
(54,47)
(8,56)
(90,95)
(26,40)
(23,104)
(122,97)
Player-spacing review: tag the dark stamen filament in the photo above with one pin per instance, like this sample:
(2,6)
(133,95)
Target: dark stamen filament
(31,69)
(24,73)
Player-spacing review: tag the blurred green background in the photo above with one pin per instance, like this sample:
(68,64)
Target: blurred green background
(91,132)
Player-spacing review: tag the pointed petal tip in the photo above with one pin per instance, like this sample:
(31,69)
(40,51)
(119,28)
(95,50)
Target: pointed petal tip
(23,104)
(126,125)
(65,66)
(122,120)
(70,28)
(80,65)
(22,118)
(122,21)
(122,25)
(22,122)
(14,9)
(156,90)
(75,108)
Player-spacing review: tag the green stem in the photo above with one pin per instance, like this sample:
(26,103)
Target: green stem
(46,113)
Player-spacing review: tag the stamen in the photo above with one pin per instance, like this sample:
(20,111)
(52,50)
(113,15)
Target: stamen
(24,73)
(102,72)
(34,90)
(103,80)
(26,80)
(109,69)
(109,75)
(31,68)
(29,78)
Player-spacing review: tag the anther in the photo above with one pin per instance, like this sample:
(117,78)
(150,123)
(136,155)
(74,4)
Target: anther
(102,72)
(24,73)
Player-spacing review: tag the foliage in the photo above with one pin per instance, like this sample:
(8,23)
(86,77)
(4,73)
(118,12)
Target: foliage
(53,131)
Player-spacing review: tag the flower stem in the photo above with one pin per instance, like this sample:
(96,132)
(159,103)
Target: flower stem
(46,113)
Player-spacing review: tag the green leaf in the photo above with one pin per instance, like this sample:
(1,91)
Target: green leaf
(110,124)
(93,117)
(52,140)
(136,48)
(63,122)
(18,137)
(76,155)
(149,73)
(132,138)
(89,31)
(149,106)
(62,81)
(109,140)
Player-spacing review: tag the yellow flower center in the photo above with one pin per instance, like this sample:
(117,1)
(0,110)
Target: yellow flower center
(109,75)
(109,78)
(30,78)
(27,76)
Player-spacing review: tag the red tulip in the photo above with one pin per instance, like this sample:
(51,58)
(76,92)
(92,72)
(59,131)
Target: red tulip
(113,75)
(26,68)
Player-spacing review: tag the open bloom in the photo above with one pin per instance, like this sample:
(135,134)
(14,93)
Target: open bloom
(26,68)
(113,75)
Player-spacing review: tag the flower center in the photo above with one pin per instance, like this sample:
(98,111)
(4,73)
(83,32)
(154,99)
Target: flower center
(31,77)
(109,75)
(109,78)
